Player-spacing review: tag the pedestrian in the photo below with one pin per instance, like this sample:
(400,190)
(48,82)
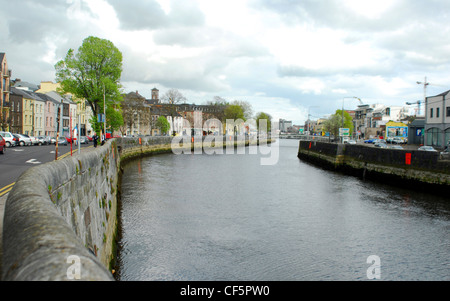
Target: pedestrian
(95,138)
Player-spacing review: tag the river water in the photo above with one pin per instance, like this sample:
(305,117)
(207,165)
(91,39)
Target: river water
(229,218)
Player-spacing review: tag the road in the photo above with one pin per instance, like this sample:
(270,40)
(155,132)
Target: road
(17,160)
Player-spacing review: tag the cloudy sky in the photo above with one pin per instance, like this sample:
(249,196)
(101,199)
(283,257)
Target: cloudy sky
(285,57)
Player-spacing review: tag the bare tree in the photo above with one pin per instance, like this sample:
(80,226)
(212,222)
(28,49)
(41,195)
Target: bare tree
(172,98)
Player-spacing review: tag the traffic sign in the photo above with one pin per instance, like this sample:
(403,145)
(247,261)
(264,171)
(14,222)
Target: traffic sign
(343,132)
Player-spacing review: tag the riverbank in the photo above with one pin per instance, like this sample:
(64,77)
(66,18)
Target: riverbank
(414,169)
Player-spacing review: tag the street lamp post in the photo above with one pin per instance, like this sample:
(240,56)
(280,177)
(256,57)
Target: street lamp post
(309,121)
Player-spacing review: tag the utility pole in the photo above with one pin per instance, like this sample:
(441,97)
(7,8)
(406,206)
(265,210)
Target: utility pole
(425,84)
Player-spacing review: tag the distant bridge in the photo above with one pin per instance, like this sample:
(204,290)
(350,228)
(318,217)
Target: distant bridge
(304,137)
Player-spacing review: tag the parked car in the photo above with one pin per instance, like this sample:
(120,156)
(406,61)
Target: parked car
(397,140)
(84,140)
(36,140)
(427,148)
(369,140)
(2,145)
(24,139)
(445,154)
(9,139)
(380,145)
(62,141)
(45,139)
(350,142)
(52,140)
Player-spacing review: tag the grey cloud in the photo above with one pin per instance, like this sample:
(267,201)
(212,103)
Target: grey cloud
(333,14)
(33,20)
(134,15)
(138,15)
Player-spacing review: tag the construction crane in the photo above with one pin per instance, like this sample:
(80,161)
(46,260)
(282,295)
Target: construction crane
(419,102)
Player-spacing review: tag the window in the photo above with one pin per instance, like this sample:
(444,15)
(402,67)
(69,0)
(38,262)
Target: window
(431,113)
(437,112)
(448,112)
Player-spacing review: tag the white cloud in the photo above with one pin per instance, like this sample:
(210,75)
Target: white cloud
(282,56)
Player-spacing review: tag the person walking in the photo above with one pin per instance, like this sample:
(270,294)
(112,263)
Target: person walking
(95,138)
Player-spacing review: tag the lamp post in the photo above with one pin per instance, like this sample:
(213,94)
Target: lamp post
(309,121)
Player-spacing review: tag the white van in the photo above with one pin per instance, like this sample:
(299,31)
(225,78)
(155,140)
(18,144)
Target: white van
(9,138)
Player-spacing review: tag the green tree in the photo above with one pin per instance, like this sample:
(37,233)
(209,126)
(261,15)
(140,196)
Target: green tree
(93,73)
(334,123)
(247,109)
(163,124)
(264,116)
(234,112)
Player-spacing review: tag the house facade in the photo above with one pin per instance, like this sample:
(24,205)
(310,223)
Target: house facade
(82,108)
(16,107)
(5,83)
(437,120)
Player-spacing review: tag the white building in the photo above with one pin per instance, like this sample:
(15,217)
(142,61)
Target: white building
(437,120)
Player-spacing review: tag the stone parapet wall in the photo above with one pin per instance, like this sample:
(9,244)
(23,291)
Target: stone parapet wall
(60,219)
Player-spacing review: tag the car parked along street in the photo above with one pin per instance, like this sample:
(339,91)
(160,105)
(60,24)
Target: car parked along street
(2,145)
(9,139)
(23,139)
(427,148)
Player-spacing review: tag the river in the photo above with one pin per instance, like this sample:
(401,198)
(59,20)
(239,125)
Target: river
(229,218)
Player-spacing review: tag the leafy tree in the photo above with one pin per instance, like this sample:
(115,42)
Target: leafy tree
(264,116)
(234,112)
(334,123)
(93,73)
(247,109)
(163,124)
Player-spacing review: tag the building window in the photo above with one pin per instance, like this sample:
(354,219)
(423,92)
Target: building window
(431,113)
(437,112)
(448,112)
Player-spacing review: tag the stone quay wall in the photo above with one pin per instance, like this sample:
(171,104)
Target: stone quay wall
(399,167)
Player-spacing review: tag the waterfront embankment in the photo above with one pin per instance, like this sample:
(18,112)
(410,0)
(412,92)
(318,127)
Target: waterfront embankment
(412,168)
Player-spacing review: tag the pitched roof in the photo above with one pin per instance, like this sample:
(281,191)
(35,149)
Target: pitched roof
(26,94)
(58,97)
(28,85)
(47,98)
(442,94)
